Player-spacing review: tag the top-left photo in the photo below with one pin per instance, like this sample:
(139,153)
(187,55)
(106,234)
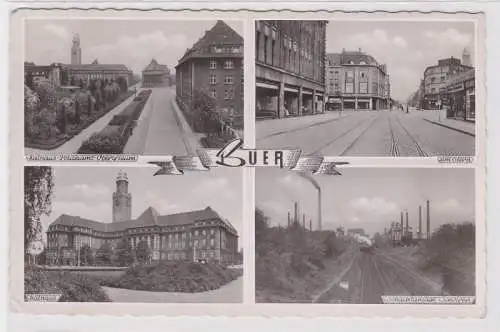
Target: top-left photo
(146,87)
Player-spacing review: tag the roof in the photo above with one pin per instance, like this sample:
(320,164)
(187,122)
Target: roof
(220,34)
(149,217)
(98,67)
(155,66)
(350,57)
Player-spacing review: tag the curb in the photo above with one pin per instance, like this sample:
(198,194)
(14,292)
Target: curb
(452,128)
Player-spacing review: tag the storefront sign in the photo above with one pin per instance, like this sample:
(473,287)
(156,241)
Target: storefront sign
(456,87)
(334,100)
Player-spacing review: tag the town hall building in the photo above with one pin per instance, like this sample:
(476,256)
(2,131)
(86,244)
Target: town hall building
(194,236)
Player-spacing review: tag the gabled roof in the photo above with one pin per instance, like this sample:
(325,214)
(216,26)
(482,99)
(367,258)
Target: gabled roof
(220,34)
(149,217)
(155,66)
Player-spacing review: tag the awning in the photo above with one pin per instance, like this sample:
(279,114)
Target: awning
(266,86)
(307,92)
(291,89)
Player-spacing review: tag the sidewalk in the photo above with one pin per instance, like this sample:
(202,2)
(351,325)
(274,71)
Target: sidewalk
(465,127)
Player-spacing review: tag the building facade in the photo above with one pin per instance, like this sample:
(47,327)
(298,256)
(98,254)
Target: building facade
(289,68)
(214,66)
(156,75)
(436,80)
(460,97)
(194,236)
(356,81)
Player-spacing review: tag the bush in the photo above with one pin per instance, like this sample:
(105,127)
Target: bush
(107,141)
(73,287)
(177,276)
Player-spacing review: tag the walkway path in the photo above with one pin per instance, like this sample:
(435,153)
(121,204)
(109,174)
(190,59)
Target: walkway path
(229,293)
(74,143)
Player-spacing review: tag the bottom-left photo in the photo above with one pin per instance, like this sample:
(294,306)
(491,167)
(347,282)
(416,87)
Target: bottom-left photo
(110,234)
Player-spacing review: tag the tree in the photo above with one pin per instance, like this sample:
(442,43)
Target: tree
(86,255)
(38,191)
(104,255)
(124,254)
(143,253)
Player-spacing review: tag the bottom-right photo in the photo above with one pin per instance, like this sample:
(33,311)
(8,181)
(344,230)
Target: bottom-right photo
(368,236)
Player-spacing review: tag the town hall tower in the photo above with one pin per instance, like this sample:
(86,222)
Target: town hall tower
(122,199)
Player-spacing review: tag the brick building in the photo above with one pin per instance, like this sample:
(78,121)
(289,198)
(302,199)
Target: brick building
(355,80)
(214,66)
(193,235)
(436,79)
(289,68)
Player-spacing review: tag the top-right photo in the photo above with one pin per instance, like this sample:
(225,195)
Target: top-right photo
(366,88)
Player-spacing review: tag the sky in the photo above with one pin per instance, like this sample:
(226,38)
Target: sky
(130,42)
(369,198)
(87,192)
(406,47)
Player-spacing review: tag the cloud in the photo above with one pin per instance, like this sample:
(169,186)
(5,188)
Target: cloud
(137,51)
(83,192)
(449,36)
(400,42)
(373,206)
(57,30)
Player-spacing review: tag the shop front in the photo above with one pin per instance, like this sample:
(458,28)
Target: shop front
(461,97)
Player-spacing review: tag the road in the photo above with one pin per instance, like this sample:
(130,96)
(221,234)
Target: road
(367,133)
(229,293)
(162,128)
(372,275)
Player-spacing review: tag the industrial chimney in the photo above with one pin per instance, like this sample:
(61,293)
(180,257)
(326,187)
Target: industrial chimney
(420,221)
(310,225)
(407,223)
(320,218)
(296,215)
(304,220)
(288,218)
(402,222)
(428,220)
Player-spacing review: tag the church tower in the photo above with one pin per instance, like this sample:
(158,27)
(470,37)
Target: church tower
(76,51)
(122,199)
(466,58)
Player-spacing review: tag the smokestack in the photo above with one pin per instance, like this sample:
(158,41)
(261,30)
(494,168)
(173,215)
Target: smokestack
(320,218)
(310,225)
(296,216)
(288,218)
(428,220)
(420,221)
(304,220)
(402,220)
(407,223)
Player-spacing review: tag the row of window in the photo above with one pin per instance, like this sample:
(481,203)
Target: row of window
(228,64)
(226,49)
(228,94)
(228,79)
(349,87)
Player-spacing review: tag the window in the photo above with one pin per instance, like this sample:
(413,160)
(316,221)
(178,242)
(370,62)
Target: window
(212,231)
(228,94)
(349,75)
(363,87)
(228,79)
(213,79)
(228,64)
(212,243)
(349,88)
(212,64)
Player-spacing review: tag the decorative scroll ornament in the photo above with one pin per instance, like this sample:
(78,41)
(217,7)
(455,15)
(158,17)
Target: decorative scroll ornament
(233,156)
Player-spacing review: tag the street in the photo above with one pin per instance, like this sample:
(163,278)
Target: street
(372,275)
(229,293)
(369,133)
(162,128)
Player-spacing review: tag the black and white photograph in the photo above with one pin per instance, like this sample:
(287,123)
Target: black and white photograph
(364,236)
(105,234)
(366,88)
(146,87)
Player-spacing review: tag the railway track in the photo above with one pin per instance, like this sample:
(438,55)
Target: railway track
(344,133)
(420,151)
(394,143)
(358,137)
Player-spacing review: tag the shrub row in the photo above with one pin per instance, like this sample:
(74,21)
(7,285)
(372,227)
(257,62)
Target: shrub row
(176,276)
(113,138)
